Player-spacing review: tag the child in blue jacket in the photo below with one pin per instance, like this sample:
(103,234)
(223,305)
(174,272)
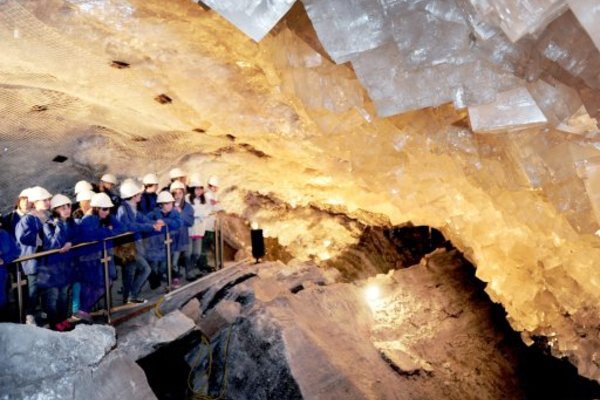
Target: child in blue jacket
(96,227)
(29,232)
(55,272)
(181,239)
(155,246)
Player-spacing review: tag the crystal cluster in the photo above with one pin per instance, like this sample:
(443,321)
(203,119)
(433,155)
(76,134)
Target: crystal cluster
(415,54)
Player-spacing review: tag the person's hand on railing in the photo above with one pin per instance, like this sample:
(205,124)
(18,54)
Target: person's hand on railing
(66,247)
(159,225)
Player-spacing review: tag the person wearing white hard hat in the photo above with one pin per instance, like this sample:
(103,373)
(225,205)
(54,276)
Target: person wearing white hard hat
(175,175)
(98,226)
(155,250)
(202,209)
(181,238)
(148,202)
(84,199)
(136,266)
(82,186)
(55,272)
(22,206)
(28,233)
(107,185)
(208,240)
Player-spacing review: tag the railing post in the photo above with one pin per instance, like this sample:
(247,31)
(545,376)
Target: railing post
(168,242)
(215,244)
(106,262)
(218,245)
(19,292)
(221,260)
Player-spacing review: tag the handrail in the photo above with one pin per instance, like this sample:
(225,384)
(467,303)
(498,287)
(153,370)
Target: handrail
(56,251)
(105,259)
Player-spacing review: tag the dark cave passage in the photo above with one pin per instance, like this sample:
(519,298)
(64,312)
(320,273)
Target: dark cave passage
(533,372)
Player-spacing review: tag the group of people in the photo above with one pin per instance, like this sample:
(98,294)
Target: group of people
(70,281)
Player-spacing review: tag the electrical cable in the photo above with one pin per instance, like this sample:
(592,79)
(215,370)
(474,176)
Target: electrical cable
(202,393)
(157,311)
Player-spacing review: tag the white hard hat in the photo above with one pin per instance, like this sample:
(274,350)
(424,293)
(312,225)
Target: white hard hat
(213,181)
(59,200)
(84,195)
(101,200)
(176,185)
(109,178)
(150,179)
(128,180)
(38,193)
(176,173)
(195,181)
(81,186)
(24,192)
(129,188)
(164,197)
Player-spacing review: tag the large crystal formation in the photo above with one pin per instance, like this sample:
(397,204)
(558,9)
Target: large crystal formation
(461,52)
(253,17)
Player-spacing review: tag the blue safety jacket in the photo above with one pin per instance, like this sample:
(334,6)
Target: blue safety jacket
(10,221)
(135,221)
(182,237)
(155,246)
(93,229)
(28,233)
(148,203)
(8,252)
(57,270)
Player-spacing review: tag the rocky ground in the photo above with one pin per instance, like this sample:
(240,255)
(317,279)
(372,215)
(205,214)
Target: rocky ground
(291,331)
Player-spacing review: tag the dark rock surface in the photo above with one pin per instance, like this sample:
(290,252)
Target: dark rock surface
(37,363)
(277,331)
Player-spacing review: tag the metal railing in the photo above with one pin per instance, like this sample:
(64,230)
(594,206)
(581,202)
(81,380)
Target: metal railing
(105,260)
(218,244)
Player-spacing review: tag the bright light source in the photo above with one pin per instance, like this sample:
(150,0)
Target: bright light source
(372,293)
(254,225)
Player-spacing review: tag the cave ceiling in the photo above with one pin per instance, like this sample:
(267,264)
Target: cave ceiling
(478,118)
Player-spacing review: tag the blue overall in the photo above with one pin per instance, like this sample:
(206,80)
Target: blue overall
(92,284)
(8,252)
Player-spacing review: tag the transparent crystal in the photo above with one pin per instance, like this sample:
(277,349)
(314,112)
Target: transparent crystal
(514,109)
(395,89)
(429,33)
(253,17)
(557,101)
(567,44)
(348,27)
(588,14)
(519,17)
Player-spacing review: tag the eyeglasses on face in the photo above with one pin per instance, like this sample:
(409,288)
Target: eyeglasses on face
(104,209)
